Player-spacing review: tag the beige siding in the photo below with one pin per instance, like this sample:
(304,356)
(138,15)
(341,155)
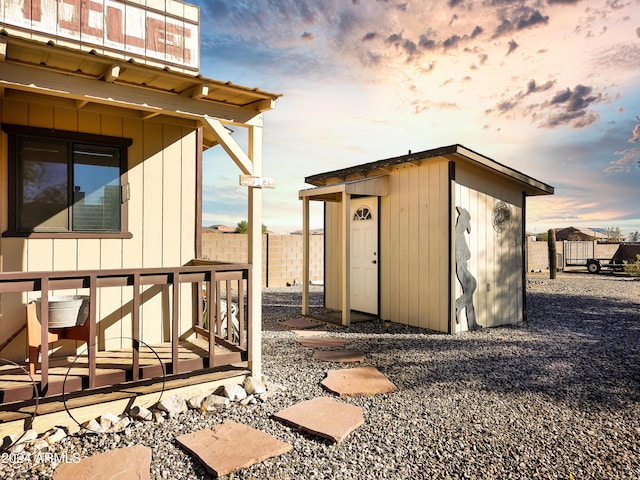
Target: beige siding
(496,258)
(413,250)
(161,214)
(414,246)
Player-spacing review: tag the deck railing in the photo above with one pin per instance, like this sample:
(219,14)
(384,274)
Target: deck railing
(209,279)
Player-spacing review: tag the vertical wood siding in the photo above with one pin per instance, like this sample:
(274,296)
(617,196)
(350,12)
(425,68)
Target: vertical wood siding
(414,247)
(161,213)
(496,258)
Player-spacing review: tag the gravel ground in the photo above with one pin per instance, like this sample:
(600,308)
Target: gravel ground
(555,398)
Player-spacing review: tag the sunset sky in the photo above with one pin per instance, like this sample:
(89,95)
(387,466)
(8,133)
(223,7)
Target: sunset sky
(549,88)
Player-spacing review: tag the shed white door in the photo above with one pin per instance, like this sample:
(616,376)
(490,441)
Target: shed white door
(364,254)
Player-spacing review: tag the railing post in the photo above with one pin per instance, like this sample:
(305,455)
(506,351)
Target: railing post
(91,341)
(211,308)
(175,321)
(135,327)
(44,334)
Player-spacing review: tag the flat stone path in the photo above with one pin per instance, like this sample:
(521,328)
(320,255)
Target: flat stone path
(231,446)
(121,463)
(339,356)
(324,342)
(324,417)
(353,382)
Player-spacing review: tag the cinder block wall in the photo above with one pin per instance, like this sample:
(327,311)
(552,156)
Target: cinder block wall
(281,255)
(538,256)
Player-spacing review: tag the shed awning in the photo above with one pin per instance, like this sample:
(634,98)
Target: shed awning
(373,186)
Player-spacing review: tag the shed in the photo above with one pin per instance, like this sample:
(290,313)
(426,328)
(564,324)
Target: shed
(104,120)
(433,239)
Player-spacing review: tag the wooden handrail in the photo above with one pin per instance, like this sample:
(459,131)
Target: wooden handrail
(212,273)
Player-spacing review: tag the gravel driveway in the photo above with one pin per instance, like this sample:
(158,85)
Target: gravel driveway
(555,398)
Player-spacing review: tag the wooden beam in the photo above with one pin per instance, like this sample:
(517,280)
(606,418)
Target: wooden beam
(197,92)
(346,259)
(80,104)
(230,146)
(255,256)
(305,256)
(112,73)
(3,50)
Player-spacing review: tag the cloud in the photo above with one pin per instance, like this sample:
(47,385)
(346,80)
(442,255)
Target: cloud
(512,46)
(307,36)
(522,18)
(623,164)
(635,134)
(570,107)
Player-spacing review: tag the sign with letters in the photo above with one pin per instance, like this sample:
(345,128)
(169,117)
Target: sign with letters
(129,29)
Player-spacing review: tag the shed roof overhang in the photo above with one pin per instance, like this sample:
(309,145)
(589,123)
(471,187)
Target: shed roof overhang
(85,79)
(530,185)
(371,186)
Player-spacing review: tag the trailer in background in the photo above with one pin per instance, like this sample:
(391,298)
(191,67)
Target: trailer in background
(627,253)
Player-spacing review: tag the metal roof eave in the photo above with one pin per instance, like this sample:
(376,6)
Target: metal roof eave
(530,185)
(371,186)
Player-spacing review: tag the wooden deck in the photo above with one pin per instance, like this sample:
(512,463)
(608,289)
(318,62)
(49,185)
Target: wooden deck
(112,368)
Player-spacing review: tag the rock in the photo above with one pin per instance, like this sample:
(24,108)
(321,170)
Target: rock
(40,444)
(141,413)
(92,426)
(196,402)
(108,420)
(129,462)
(54,435)
(173,405)
(253,385)
(214,402)
(249,400)
(234,392)
(121,424)
(19,438)
(158,416)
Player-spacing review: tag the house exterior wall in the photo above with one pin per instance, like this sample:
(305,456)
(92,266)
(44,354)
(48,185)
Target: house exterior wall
(161,219)
(496,257)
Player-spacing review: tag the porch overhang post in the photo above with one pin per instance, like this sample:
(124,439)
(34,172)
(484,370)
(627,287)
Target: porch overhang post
(255,251)
(346,259)
(305,255)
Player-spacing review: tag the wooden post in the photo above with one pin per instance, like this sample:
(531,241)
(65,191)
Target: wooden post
(305,256)
(553,257)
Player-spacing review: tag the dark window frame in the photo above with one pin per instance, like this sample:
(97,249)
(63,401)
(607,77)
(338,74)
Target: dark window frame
(19,131)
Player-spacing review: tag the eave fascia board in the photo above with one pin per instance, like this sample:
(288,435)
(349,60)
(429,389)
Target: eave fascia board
(47,82)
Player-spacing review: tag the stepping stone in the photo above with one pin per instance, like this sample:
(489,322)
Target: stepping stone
(351,382)
(342,356)
(231,446)
(124,463)
(299,323)
(323,417)
(322,342)
(309,332)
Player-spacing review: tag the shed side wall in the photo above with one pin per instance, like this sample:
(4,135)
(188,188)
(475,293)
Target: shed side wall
(496,257)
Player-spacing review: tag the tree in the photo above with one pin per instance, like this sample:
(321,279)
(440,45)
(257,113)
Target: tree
(634,236)
(243,227)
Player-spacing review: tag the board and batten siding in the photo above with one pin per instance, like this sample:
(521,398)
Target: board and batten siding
(414,246)
(161,218)
(496,257)
(413,249)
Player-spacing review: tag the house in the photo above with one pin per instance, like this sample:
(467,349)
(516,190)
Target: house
(104,120)
(434,239)
(580,234)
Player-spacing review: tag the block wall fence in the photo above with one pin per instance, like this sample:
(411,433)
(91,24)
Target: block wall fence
(282,255)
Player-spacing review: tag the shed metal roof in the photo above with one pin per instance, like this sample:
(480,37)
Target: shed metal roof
(452,152)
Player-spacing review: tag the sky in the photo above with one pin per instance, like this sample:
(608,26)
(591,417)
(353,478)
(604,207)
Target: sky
(549,88)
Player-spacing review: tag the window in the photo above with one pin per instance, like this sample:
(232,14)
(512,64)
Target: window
(363,213)
(66,183)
